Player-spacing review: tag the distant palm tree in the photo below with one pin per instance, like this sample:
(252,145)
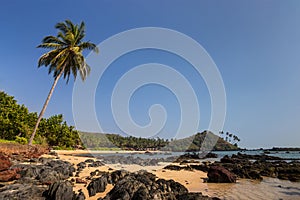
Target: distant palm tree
(64,58)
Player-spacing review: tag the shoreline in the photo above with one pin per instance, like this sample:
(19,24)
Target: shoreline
(190,179)
(268,188)
(191,174)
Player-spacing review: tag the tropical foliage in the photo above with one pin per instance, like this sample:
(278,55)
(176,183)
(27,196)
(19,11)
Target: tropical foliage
(230,137)
(17,123)
(192,143)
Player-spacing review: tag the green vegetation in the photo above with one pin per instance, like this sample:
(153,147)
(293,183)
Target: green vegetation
(229,137)
(2,141)
(16,124)
(97,141)
(64,58)
(205,140)
(21,140)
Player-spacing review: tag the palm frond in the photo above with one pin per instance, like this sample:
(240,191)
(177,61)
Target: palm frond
(50,46)
(89,46)
(66,51)
(52,39)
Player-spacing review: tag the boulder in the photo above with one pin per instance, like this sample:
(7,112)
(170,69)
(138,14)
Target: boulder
(143,185)
(79,196)
(195,196)
(60,191)
(48,176)
(218,174)
(97,185)
(117,175)
(22,192)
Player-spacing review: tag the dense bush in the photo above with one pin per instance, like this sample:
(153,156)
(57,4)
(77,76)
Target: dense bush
(21,140)
(17,123)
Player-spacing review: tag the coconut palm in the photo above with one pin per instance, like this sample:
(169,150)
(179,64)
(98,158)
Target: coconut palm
(64,58)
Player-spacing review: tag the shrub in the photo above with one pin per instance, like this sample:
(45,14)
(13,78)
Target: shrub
(21,140)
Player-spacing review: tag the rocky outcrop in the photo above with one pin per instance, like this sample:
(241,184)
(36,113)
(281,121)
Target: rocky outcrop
(97,185)
(218,174)
(49,171)
(22,191)
(195,196)
(146,186)
(257,166)
(60,191)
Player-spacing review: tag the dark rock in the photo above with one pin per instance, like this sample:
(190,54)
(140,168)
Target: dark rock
(63,167)
(79,196)
(53,153)
(201,167)
(97,185)
(48,176)
(22,192)
(211,155)
(117,175)
(141,193)
(171,186)
(89,161)
(96,164)
(173,167)
(195,196)
(256,166)
(81,166)
(218,174)
(49,172)
(94,173)
(60,191)
(143,185)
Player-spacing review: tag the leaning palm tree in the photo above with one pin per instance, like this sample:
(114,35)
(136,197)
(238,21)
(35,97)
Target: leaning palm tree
(64,58)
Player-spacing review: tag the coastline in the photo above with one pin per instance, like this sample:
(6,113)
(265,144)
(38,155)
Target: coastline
(192,180)
(269,188)
(81,171)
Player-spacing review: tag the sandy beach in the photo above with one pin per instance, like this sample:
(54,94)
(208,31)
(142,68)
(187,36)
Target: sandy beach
(190,179)
(269,188)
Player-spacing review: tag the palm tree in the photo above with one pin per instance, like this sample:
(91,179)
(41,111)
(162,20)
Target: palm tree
(64,58)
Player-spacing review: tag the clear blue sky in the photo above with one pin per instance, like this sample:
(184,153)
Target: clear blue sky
(255,44)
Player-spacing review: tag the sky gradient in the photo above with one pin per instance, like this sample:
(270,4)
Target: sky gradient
(255,45)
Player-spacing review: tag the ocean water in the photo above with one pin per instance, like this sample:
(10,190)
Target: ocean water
(267,189)
(281,154)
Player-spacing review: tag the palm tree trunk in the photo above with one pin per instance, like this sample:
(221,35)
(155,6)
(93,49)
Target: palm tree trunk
(44,107)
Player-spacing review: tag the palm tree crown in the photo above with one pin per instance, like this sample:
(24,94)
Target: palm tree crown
(66,54)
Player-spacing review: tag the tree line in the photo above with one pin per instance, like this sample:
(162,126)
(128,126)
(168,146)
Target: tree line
(17,123)
(230,137)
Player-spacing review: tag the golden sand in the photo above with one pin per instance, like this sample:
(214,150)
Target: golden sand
(269,188)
